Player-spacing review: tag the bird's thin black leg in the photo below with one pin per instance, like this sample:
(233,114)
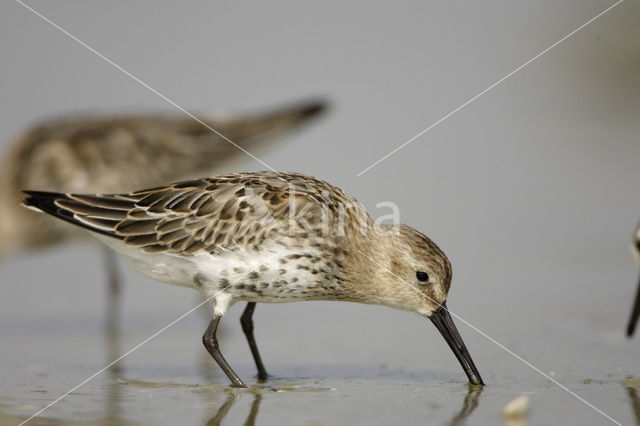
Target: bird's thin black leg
(635,313)
(247,326)
(210,342)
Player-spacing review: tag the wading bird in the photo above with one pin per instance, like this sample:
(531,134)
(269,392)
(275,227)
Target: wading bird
(267,237)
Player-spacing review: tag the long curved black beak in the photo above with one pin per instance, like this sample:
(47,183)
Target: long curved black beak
(635,313)
(443,322)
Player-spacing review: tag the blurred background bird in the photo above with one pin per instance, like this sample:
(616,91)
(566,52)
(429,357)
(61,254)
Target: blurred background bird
(117,153)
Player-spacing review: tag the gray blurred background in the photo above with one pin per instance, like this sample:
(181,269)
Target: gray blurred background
(531,190)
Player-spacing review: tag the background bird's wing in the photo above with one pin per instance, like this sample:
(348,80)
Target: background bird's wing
(118,154)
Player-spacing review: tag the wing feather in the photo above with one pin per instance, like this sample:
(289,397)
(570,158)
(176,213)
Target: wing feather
(227,212)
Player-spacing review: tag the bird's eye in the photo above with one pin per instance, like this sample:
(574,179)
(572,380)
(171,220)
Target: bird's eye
(422,276)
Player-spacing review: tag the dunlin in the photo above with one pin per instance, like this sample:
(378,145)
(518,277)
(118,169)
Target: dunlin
(267,237)
(635,311)
(119,154)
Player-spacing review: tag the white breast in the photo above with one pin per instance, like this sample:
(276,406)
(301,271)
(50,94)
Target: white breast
(275,274)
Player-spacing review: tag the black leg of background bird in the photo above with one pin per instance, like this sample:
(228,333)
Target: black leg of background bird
(113,308)
(635,313)
(113,289)
(210,342)
(247,326)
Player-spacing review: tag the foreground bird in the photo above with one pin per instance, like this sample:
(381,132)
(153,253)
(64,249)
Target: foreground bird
(635,310)
(267,237)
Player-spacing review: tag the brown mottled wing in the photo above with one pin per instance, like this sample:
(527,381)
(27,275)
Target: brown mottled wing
(118,154)
(213,214)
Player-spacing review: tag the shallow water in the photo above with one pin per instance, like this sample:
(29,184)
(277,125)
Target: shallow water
(322,395)
(324,369)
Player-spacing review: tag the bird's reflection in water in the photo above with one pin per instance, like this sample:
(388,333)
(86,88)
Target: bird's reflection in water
(113,409)
(635,403)
(112,337)
(469,404)
(631,386)
(226,406)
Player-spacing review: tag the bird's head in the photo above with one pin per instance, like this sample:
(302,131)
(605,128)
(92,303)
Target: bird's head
(410,272)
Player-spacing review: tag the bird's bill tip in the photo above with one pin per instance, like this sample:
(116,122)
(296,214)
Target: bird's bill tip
(444,323)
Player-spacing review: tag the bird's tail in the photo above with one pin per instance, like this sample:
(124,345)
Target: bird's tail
(92,212)
(248,130)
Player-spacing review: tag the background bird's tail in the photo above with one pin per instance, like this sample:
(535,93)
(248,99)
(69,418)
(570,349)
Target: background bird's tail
(211,146)
(245,130)
(271,123)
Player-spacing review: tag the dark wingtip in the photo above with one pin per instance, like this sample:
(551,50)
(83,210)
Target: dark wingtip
(46,202)
(44,194)
(41,200)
